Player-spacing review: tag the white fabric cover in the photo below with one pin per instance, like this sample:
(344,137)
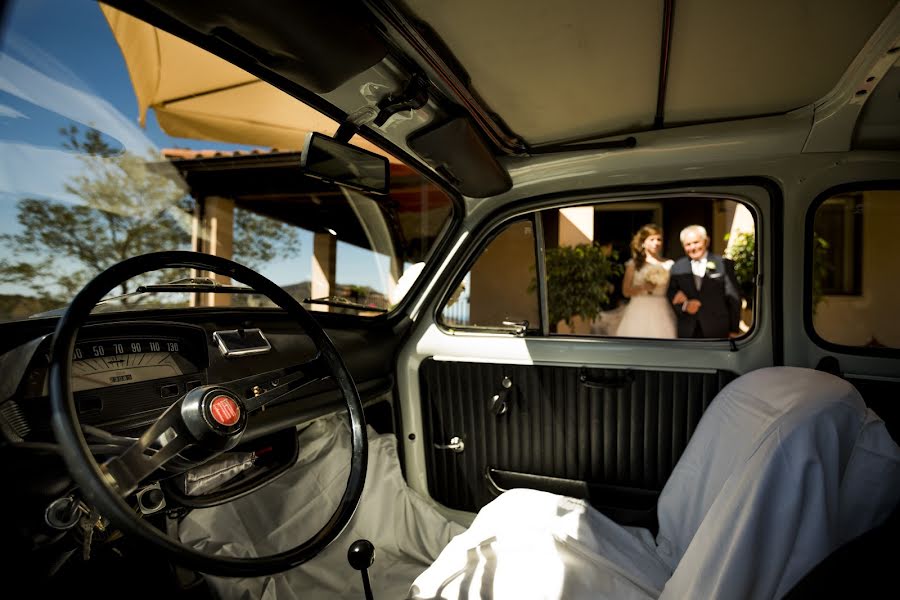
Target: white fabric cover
(531,544)
(785,465)
(407,531)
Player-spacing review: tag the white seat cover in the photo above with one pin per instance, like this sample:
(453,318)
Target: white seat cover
(785,465)
(407,531)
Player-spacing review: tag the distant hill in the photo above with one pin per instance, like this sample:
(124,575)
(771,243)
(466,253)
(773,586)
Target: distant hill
(14,307)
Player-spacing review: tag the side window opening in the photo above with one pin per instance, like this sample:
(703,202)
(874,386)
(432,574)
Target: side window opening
(499,292)
(619,269)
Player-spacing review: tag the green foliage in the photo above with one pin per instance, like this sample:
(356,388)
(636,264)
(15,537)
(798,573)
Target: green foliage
(357,293)
(125,209)
(821,268)
(259,239)
(743,254)
(578,281)
(127,206)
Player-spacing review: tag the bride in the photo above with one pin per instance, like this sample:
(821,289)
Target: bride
(648,314)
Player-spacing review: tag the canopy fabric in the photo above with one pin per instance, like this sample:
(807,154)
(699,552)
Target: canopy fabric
(200,96)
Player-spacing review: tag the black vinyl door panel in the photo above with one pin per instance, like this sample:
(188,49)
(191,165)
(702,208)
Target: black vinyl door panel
(612,435)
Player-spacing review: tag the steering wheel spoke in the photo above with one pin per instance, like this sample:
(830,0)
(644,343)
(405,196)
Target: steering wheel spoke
(280,384)
(159,444)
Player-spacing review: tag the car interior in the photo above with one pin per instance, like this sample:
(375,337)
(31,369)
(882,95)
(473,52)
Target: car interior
(405,299)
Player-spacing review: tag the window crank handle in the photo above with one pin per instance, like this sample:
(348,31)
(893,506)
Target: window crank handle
(456,445)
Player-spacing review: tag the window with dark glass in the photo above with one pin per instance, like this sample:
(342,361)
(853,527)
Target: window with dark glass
(838,230)
(854,289)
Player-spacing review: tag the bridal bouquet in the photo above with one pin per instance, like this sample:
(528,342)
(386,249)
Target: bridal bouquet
(656,276)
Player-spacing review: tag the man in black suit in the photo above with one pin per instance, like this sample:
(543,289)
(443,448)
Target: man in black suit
(703,290)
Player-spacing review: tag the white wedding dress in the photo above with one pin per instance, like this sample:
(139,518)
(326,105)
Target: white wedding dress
(649,315)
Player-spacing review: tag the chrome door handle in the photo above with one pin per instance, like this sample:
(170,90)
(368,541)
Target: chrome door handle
(456,445)
(518,327)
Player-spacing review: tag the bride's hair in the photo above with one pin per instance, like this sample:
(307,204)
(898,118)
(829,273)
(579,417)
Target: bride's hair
(637,243)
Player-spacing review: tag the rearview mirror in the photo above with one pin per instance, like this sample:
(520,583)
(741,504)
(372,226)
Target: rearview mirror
(327,159)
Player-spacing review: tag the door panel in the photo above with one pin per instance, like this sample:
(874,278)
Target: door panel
(614,445)
(611,435)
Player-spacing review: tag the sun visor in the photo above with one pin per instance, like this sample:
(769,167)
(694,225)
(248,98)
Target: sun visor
(318,45)
(457,151)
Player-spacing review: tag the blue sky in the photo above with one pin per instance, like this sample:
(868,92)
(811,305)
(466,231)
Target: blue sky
(76,35)
(61,66)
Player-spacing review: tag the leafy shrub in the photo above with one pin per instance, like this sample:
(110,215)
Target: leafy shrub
(743,254)
(578,281)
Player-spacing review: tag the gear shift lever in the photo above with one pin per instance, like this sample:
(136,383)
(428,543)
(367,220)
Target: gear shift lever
(361,555)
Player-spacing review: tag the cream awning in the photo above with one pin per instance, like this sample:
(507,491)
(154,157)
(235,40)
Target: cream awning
(200,96)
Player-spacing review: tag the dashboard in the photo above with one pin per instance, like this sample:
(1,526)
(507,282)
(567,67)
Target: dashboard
(128,369)
(123,376)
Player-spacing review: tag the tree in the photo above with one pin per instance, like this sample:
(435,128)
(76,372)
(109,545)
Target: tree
(259,239)
(128,206)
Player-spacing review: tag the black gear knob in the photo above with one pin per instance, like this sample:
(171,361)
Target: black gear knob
(361,555)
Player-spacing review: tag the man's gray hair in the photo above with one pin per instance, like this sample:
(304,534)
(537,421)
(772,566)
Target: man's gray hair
(698,229)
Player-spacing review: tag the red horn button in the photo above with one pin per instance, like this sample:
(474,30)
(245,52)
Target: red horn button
(225,410)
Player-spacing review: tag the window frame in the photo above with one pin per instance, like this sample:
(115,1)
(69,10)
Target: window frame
(809,225)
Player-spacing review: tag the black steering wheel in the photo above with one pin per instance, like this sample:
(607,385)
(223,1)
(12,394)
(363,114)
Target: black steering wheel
(205,422)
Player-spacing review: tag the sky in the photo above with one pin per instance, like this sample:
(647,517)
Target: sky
(60,65)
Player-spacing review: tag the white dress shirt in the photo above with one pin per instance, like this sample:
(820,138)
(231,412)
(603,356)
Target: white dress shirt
(698,267)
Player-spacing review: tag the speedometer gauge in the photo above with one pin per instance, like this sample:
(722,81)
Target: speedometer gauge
(102,371)
(121,361)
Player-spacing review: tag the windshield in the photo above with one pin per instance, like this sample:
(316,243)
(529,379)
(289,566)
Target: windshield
(111,150)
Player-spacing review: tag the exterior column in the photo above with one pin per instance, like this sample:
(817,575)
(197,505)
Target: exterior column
(576,226)
(214,234)
(324,262)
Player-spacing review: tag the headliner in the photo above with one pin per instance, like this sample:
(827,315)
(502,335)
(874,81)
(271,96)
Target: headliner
(576,69)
